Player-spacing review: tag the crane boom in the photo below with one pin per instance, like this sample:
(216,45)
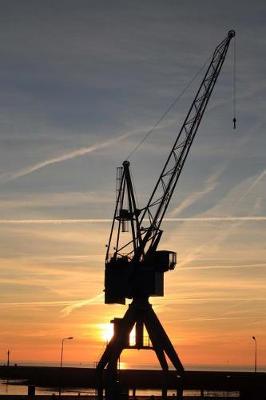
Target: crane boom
(164,188)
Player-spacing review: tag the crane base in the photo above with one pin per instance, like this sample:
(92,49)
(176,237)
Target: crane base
(141,314)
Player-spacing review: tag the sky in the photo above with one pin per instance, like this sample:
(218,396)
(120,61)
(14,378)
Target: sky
(81,84)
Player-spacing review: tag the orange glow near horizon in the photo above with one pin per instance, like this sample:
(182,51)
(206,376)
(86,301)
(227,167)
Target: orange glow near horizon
(212,307)
(107,332)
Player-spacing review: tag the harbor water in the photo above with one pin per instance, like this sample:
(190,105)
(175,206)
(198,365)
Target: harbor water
(18,388)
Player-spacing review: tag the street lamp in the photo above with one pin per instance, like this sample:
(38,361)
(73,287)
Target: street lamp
(8,357)
(62,349)
(61,361)
(255,358)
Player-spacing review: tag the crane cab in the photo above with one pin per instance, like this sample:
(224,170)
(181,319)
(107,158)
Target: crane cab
(164,260)
(124,280)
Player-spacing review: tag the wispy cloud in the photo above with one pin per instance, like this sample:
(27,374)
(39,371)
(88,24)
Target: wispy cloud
(219,219)
(33,303)
(69,306)
(233,266)
(261,176)
(30,200)
(54,221)
(243,189)
(11,176)
(210,185)
(247,218)
(81,303)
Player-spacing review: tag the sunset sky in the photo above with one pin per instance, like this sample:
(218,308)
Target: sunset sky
(81,82)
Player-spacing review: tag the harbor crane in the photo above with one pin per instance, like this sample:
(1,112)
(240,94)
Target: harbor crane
(134,266)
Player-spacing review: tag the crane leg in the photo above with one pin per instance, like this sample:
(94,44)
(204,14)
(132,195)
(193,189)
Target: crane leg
(110,357)
(140,312)
(158,348)
(166,343)
(162,346)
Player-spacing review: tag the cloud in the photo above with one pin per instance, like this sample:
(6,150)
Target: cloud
(219,219)
(69,306)
(226,266)
(229,205)
(11,176)
(53,221)
(207,219)
(254,184)
(33,303)
(30,200)
(98,299)
(210,185)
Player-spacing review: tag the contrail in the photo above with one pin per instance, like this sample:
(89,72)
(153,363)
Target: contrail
(54,221)
(261,218)
(69,306)
(219,219)
(34,303)
(98,299)
(210,185)
(11,176)
(256,181)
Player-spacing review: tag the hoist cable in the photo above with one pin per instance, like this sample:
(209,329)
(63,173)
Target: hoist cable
(234,85)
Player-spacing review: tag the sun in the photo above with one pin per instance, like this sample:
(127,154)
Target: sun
(107,331)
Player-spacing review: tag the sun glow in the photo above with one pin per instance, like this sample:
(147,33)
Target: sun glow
(107,331)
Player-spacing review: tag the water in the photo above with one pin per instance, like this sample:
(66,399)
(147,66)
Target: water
(15,388)
(10,388)
(18,388)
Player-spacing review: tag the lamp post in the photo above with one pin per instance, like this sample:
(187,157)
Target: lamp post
(62,349)
(8,357)
(255,354)
(61,360)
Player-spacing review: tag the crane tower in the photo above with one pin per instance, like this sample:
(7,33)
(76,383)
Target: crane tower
(134,267)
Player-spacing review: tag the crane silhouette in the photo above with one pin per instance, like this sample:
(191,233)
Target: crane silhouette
(134,267)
